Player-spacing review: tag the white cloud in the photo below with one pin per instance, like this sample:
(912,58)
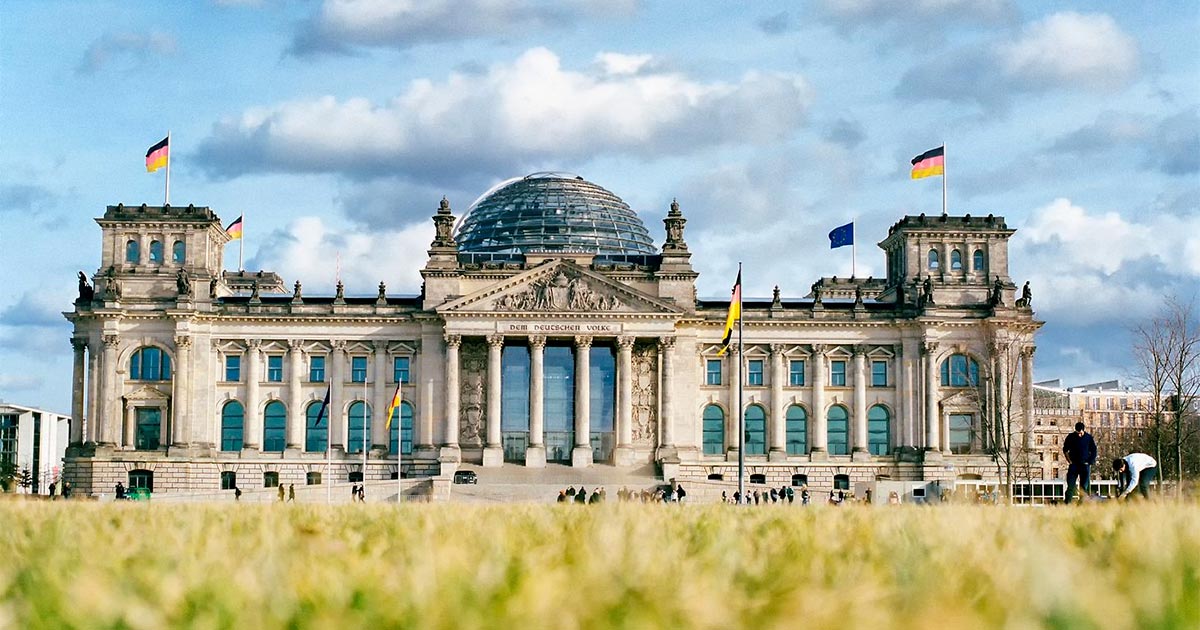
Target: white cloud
(1072,49)
(513,115)
(621,64)
(137,48)
(20,382)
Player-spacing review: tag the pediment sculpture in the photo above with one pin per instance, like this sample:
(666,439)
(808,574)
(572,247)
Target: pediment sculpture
(561,292)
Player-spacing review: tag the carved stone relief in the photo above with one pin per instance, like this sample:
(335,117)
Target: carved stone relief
(645,395)
(472,411)
(565,291)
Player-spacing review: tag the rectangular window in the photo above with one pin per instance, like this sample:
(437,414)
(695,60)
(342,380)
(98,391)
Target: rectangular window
(713,373)
(148,428)
(358,369)
(400,370)
(960,432)
(275,368)
(8,439)
(754,373)
(796,374)
(879,374)
(316,370)
(233,368)
(837,376)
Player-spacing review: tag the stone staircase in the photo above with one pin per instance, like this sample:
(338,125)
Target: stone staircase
(513,483)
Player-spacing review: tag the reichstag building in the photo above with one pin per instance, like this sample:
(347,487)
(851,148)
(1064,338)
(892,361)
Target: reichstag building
(551,330)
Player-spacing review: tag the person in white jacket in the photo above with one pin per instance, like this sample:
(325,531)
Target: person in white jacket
(1135,471)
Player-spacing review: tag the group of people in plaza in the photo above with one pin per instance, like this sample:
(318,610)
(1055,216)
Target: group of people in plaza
(673,493)
(291,492)
(1135,471)
(571,495)
(783,494)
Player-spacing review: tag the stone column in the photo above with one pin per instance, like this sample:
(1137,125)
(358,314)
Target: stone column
(667,452)
(252,439)
(899,414)
(733,423)
(95,413)
(1002,417)
(181,426)
(624,452)
(337,379)
(778,418)
(860,451)
(820,423)
(382,399)
(933,424)
(1027,393)
(77,391)
(109,408)
(450,452)
(535,453)
(129,439)
(493,450)
(581,455)
(296,416)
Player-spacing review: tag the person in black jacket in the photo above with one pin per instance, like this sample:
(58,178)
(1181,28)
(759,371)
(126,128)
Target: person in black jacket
(1080,449)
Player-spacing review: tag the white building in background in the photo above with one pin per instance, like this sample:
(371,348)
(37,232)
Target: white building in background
(34,440)
(550,331)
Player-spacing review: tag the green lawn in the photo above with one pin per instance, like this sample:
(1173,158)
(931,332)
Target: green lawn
(86,565)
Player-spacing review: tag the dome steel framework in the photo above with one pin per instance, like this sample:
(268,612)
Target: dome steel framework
(552,212)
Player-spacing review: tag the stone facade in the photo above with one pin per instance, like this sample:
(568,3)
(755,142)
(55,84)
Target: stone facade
(898,377)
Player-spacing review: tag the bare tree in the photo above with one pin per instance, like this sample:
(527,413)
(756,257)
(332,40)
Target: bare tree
(1000,395)
(1151,343)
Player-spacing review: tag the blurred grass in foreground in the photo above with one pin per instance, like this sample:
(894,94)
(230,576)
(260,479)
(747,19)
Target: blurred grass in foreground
(610,566)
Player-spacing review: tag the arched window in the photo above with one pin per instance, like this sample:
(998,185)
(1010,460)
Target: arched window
(141,478)
(841,482)
(878,429)
(401,432)
(977,260)
(270,479)
(274,427)
(313,478)
(956,260)
(838,429)
(756,430)
(797,430)
(316,428)
(960,370)
(178,252)
(933,259)
(133,252)
(355,476)
(150,364)
(228,480)
(360,427)
(758,478)
(716,477)
(233,418)
(799,480)
(714,430)
(156,252)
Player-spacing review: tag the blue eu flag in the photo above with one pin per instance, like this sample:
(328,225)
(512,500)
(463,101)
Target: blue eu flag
(841,236)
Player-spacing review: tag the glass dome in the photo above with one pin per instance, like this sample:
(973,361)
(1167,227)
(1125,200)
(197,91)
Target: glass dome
(552,212)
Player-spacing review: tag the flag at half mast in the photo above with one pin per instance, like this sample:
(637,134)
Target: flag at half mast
(930,163)
(156,156)
(735,313)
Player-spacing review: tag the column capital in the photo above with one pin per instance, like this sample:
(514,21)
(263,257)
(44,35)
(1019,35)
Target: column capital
(1027,351)
(183,341)
(338,345)
(453,341)
(537,341)
(495,341)
(777,349)
(666,343)
(732,351)
(626,341)
(111,341)
(380,345)
(79,343)
(860,349)
(898,349)
(929,347)
(583,341)
(818,349)
(295,344)
(253,344)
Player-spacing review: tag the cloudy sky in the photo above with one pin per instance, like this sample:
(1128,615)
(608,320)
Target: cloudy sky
(338,125)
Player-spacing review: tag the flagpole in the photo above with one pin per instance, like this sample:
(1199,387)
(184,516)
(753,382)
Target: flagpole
(242,242)
(853,253)
(741,416)
(364,438)
(328,451)
(167,194)
(944,169)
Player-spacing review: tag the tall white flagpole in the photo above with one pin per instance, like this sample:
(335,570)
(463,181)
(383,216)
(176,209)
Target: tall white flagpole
(242,242)
(853,253)
(944,171)
(167,194)
(365,431)
(741,416)
(328,445)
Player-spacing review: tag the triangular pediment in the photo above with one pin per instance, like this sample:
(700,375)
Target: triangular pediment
(559,287)
(146,393)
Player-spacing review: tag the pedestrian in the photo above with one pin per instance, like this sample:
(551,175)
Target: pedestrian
(804,495)
(291,492)
(1135,471)
(737,498)
(756,497)
(66,491)
(595,497)
(603,494)
(119,491)
(581,495)
(237,493)
(562,496)
(571,491)
(791,495)
(680,493)
(774,495)
(832,498)
(52,497)
(841,497)
(362,493)
(1080,449)
(280,487)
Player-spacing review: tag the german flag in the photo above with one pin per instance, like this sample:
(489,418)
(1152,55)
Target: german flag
(392,408)
(930,163)
(156,156)
(735,313)
(235,229)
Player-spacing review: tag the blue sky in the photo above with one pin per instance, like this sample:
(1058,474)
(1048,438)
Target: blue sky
(337,126)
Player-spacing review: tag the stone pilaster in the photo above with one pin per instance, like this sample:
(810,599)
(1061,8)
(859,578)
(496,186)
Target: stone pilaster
(79,346)
(624,456)
(109,419)
(493,450)
(1027,394)
(860,451)
(181,425)
(535,453)
(128,436)
(296,416)
(668,454)
(95,411)
(581,455)
(777,434)
(733,433)
(252,439)
(382,400)
(336,411)
(933,424)
(450,452)
(820,423)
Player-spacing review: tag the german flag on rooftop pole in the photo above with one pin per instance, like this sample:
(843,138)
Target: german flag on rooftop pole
(735,313)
